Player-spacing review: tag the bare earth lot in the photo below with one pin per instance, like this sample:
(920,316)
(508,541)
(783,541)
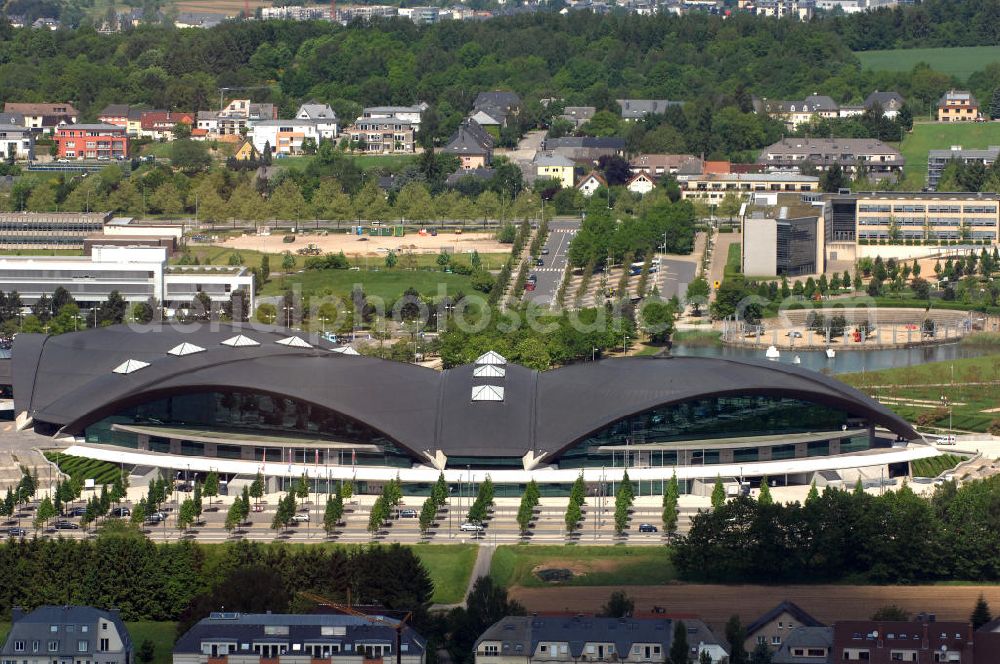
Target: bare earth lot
(715,604)
(452,243)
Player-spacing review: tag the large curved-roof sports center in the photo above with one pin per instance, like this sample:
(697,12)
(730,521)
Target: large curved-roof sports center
(242,400)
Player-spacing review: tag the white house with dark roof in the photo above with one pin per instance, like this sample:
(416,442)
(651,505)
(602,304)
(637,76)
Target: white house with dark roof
(640,183)
(321,114)
(409,114)
(634,110)
(67,634)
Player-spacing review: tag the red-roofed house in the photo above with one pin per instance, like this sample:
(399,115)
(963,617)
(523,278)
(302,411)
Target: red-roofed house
(720,167)
(590,182)
(159,125)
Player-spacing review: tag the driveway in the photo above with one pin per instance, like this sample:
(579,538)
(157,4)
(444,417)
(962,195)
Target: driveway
(561,232)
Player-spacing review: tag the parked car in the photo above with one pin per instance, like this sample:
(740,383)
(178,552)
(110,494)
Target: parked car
(76,511)
(301,518)
(545,251)
(257,508)
(647,528)
(120,512)
(407,514)
(156,517)
(17,532)
(66,525)
(539,262)
(471,528)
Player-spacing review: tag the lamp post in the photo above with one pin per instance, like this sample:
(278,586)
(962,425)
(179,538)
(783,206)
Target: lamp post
(625,338)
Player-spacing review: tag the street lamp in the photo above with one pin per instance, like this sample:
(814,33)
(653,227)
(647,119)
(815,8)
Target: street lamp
(625,338)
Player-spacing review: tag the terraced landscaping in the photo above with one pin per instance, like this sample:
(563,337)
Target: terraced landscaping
(102,472)
(935,466)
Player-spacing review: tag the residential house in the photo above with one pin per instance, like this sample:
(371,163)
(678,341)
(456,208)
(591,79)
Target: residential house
(16,142)
(590,183)
(501,105)
(246,152)
(490,124)
(640,183)
(987,640)
(91,141)
(886,642)
(45,23)
(16,20)
(43,117)
(796,113)
(658,165)
(634,110)
(957,106)
(472,144)
(365,12)
(556,167)
(381,135)
(295,13)
(854,155)
(208,121)
(424,15)
(938,159)
(713,187)
(805,645)
(800,9)
(12,119)
(889,102)
(324,117)
(116,114)
(409,114)
(578,115)
(283,137)
(274,638)
(772,627)
(585,149)
(67,634)
(238,117)
(160,125)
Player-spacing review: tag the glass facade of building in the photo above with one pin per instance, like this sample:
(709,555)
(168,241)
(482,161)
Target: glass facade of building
(245,413)
(703,420)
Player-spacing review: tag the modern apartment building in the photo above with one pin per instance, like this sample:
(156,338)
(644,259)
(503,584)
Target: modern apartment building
(409,114)
(67,635)
(16,142)
(927,216)
(713,187)
(937,160)
(780,245)
(91,141)
(854,155)
(49,230)
(248,638)
(379,135)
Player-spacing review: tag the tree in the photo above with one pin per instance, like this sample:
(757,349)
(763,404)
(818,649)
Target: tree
(679,646)
(234,517)
(186,516)
(718,494)
(46,511)
(334,512)
(765,493)
(619,605)
(761,654)
(834,179)
(670,497)
(112,311)
(257,488)
(980,614)
(891,612)
(573,516)
(211,487)
(190,156)
(658,320)
(146,652)
(302,487)
(736,634)
(428,512)
(813,493)
(439,492)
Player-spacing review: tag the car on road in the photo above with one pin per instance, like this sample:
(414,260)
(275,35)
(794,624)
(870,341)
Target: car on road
(156,517)
(529,286)
(539,262)
(257,508)
(66,525)
(120,512)
(647,528)
(301,518)
(407,514)
(76,511)
(471,527)
(17,532)
(545,251)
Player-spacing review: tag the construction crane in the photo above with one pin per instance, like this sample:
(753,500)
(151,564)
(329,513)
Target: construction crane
(397,626)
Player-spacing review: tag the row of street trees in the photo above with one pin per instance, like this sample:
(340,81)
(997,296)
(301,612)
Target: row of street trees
(434,502)
(577,496)
(526,510)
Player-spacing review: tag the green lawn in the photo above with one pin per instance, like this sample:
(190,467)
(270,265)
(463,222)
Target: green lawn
(734,259)
(386,284)
(940,136)
(935,465)
(959,62)
(450,566)
(928,382)
(41,252)
(593,565)
(102,472)
(160,633)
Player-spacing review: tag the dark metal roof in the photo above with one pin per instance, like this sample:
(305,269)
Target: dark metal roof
(785,606)
(576,632)
(68,381)
(37,625)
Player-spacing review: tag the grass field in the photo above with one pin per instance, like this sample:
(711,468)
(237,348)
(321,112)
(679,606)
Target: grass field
(959,62)
(386,284)
(697,337)
(102,472)
(160,633)
(591,565)
(450,566)
(935,465)
(365,162)
(915,391)
(940,136)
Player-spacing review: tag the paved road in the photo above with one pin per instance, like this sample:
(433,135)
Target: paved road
(561,231)
(674,276)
